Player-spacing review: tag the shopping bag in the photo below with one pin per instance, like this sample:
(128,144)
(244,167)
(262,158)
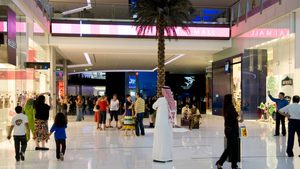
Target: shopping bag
(243,131)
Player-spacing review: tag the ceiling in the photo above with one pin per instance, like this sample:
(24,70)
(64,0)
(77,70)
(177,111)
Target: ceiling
(210,3)
(137,54)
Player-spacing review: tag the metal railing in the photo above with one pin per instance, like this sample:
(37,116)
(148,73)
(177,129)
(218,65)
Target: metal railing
(243,9)
(123,12)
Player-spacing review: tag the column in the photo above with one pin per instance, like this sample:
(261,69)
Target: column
(65,77)
(297,55)
(53,80)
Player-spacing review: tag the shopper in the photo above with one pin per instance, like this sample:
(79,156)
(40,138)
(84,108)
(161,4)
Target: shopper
(139,107)
(103,104)
(128,116)
(19,124)
(231,132)
(114,110)
(30,113)
(292,111)
(41,122)
(194,118)
(185,111)
(97,113)
(163,134)
(280,102)
(59,130)
(79,108)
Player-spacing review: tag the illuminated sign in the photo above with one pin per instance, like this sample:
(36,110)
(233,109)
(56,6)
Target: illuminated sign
(189,81)
(287,81)
(132,82)
(266,33)
(130,30)
(21,27)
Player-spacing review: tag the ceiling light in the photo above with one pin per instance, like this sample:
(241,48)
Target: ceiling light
(170,60)
(79,65)
(210,61)
(87,58)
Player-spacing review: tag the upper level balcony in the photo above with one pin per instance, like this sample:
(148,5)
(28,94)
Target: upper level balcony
(123,12)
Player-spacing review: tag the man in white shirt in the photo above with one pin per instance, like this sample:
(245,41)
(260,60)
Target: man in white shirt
(292,111)
(19,124)
(114,110)
(185,111)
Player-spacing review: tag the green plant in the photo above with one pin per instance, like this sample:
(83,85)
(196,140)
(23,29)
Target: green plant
(166,15)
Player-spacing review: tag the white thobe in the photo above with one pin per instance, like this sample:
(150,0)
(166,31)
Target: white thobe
(163,134)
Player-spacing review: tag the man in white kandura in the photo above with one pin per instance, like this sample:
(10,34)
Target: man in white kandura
(163,132)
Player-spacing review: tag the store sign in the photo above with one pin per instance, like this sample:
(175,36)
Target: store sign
(189,81)
(11,37)
(132,82)
(287,81)
(266,33)
(16,75)
(37,65)
(131,30)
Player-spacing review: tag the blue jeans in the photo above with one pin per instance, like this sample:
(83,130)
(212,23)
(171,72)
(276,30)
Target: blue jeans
(79,113)
(139,124)
(294,127)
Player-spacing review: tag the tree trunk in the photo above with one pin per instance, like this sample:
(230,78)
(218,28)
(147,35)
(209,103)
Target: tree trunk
(161,57)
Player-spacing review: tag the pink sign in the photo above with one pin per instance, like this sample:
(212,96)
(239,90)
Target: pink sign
(130,30)
(266,33)
(21,27)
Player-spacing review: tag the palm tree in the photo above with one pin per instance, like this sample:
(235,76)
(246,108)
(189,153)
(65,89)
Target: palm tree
(166,15)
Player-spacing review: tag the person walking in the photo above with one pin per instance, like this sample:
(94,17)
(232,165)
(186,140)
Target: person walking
(59,130)
(41,122)
(103,104)
(30,113)
(19,124)
(79,108)
(280,102)
(231,132)
(292,111)
(139,107)
(114,110)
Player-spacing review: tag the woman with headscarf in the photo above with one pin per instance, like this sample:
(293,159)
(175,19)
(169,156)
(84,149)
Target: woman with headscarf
(30,113)
(163,135)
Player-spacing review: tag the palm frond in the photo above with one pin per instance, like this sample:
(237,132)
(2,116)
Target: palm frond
(174,13)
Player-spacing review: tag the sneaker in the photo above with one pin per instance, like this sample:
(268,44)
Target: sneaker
(22,155)
(17,159)
(37,148)
(61,156)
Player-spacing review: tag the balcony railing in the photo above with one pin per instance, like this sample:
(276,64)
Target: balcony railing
(243,9)
(45,7)
(123,12)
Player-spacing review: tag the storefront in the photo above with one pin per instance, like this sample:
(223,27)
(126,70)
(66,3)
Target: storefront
(267,63)
(24,61)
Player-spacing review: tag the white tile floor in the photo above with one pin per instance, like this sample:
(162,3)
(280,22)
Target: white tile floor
(199,149)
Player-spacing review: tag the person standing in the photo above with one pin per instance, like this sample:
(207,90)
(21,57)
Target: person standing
(231,132)
(280,102)
(59,129)
(163,134)
(128,116)
(19,124)
(41,122)
(139,107)
(79,108)
(103,104)
(292,111)
(114,110)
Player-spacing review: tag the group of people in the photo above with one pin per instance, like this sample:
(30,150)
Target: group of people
(34,119)
(131,119)
(193,115)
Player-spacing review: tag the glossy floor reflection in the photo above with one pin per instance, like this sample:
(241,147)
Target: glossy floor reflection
(88,148)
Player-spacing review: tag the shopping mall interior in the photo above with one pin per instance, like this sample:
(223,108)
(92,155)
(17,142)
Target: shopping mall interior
(62,49)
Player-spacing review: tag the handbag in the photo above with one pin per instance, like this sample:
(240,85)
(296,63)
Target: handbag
(96,108)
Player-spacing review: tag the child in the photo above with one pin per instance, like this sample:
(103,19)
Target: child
(20,125)
(59,129)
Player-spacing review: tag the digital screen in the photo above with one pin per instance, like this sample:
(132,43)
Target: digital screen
(132,82)
(227,67)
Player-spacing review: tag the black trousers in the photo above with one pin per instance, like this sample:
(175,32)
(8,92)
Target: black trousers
(102,117)
(280,119)
(60,147)
(294,127)
(114,115)
(20,140)
(231,149)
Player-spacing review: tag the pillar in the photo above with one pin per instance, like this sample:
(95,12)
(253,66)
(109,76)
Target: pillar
(65,77)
